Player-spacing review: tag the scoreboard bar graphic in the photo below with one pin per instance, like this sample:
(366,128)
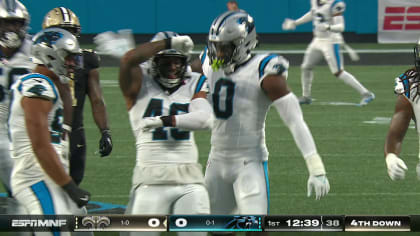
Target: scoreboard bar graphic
(209,223)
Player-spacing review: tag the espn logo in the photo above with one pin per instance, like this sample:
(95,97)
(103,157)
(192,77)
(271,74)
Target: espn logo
(402,18)
(39,223)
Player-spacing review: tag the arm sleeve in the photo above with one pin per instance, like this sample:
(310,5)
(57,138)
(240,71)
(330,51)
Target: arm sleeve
(338,24)
(199,116)
(289,110)
(304,19)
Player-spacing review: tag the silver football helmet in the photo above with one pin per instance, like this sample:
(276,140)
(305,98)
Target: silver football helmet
(232,36)
(59,50)
(14,21)
(168,67)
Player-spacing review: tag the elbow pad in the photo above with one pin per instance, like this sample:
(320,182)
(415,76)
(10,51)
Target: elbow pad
(200,116)
(290,112)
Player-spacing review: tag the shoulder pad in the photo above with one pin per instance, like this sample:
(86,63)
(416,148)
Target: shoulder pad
(273,64)
(90,59)
(37,85)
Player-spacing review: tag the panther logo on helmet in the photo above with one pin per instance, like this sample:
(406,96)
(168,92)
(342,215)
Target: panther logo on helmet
(232,36)
(169,67)
(59,50)
(64,18)
(14,20)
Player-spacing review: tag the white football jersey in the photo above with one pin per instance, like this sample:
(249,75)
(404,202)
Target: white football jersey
(407,84)
(240,105)
(10,70)
(26,164)
(324,13)
(164,145)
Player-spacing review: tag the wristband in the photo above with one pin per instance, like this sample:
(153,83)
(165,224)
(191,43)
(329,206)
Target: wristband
(67,128)
(167,121)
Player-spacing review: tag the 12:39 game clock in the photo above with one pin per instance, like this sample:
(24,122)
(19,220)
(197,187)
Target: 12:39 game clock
(303,223)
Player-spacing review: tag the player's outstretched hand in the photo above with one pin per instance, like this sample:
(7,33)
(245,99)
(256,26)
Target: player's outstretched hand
(79,196)
(114,44)
(318,185)
(289,24)
(105,144)
(182,43)
(149,123)
(396,167)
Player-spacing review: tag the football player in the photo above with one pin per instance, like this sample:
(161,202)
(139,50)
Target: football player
(242,89)
(14,62)
(165,102)
(86,82)
(407,108)
(40,179)
(328,21)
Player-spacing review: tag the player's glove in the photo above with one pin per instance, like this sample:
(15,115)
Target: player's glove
(318,184)
(289,24)
(149,123)
(114,44)
(105,144)
(318,181)
(78,195)
(183,44)
(396,167)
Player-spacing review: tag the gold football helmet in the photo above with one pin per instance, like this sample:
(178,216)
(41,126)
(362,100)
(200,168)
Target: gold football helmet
(63,18)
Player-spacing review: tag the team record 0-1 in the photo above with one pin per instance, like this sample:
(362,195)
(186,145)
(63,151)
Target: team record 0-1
(209,223)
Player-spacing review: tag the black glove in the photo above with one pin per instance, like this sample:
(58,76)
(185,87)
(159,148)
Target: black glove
(78,195)
(105,144)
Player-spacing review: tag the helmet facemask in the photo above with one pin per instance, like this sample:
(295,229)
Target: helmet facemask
(14,20)
(169,68)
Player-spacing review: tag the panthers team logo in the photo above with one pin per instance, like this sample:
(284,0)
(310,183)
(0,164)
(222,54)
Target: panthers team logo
(49,38)
(37,89)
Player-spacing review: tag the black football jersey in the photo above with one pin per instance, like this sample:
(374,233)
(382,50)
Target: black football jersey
(79,86)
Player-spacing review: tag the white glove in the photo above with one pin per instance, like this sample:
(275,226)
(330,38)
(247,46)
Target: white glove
(323,27)
(352,54)
(288,24)
(149,123)
(396,167)
(318,184)
(114,44)
(183,44)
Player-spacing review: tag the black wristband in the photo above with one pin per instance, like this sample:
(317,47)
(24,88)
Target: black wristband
(166,120)
(69,186)
(168,43)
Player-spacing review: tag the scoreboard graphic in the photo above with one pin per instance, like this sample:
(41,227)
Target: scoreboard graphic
(209,223)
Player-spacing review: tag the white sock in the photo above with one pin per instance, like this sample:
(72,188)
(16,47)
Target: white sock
(306,79)
(349,79)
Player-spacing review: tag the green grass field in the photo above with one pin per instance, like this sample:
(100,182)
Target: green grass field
(352,150)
